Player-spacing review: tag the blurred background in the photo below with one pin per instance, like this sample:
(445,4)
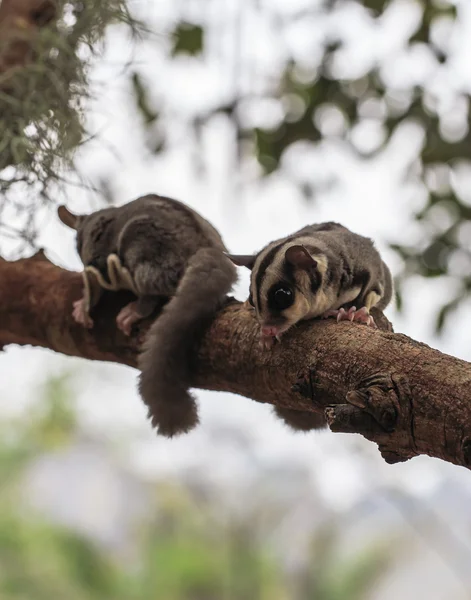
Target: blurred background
(263,115)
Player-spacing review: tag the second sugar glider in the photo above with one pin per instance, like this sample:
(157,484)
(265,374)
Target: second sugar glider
(321,270)
(171,257)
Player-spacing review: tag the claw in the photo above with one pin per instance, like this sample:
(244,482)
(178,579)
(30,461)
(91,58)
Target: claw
(267,342)
(80,314)
(360,316)
(330,313)
(127,317)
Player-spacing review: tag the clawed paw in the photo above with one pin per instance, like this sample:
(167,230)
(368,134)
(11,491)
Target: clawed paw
(352,314)
(127,316)
(80,314)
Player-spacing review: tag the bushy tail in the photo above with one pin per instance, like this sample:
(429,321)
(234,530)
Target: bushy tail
(165,361)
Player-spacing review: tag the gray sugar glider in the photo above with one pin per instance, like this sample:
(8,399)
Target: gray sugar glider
(170,257)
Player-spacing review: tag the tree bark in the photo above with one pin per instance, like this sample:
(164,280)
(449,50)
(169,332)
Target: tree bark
(20,21)
(399,393)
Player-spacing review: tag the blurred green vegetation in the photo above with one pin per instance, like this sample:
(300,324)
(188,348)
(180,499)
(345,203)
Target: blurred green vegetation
(182,549)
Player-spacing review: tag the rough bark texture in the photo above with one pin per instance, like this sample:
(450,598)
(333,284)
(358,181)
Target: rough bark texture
(401,394)
(20,21)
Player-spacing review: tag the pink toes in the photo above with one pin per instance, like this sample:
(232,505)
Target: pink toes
(127,316)
(341,314)
(330,313)
(360,316)
(80,315)
(363,316)
(125,319)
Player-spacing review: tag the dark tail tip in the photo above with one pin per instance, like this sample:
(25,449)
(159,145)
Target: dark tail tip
(166,358)
(175,418)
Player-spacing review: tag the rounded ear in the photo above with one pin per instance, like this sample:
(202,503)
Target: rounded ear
(299,257)
(243,260)
(68,218)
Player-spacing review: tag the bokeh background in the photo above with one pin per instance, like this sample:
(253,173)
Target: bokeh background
(264,115)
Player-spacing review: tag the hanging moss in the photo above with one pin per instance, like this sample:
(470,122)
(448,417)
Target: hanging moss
(42,94)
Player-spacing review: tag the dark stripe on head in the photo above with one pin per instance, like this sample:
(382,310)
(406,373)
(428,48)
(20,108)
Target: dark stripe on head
(329,274)
(347,278)
(288,273)
(266,262)
(316,279)
(314,273)
(361,278)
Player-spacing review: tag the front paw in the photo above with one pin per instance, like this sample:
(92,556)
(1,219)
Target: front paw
(80,314)
(127,316)
(352,314)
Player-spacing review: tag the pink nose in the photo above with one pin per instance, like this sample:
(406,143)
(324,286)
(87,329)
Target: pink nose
(270,330)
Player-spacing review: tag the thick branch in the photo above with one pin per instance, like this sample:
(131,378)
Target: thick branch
(403,395)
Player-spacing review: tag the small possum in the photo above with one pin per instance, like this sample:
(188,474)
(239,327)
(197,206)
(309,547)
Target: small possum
(168,256)
(321,270)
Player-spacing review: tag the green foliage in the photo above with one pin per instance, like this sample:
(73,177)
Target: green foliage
(149,114)
(41,103)
(187,39)
(53,420)
(355,578)
(334,578)
(39,562)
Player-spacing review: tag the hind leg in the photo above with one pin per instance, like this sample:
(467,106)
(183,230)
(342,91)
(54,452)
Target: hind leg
(150,297)
(127,316)
(135,311)
(92,292)
(80,314)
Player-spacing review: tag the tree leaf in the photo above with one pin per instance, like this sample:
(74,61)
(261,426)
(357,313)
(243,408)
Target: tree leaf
(188,39)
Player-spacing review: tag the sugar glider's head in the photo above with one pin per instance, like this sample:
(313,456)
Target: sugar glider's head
(94,235)
(285,285)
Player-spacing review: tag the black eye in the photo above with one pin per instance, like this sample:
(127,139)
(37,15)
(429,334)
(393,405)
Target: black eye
(280,298)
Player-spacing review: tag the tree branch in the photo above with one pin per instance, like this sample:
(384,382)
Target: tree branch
(401,394)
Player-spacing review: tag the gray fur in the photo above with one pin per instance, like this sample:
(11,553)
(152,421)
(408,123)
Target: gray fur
(345,262)
(206,280)
(170,252)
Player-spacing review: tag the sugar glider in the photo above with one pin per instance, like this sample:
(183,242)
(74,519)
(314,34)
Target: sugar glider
(321,270)
(170,257)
